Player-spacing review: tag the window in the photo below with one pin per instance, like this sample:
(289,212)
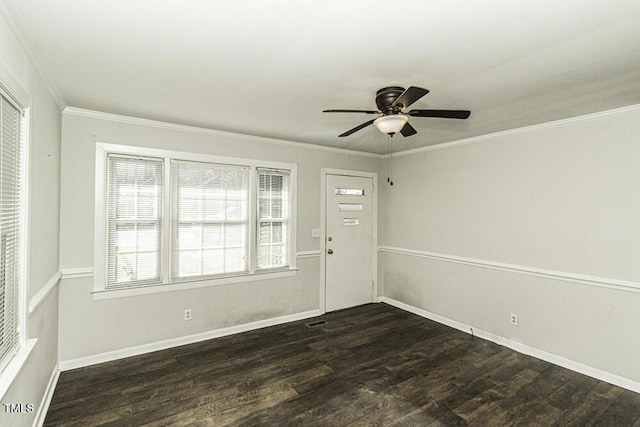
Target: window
(134,221)
(11,197)
(273,193)
(172,219)
(210,219)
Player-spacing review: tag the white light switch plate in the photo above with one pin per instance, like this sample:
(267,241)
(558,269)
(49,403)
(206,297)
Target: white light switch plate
(315,232)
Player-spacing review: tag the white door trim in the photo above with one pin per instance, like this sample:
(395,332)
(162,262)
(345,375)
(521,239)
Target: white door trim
(323,228)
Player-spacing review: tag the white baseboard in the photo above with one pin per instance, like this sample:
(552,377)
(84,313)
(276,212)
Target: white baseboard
(189,339)
(520,348)
(46,399)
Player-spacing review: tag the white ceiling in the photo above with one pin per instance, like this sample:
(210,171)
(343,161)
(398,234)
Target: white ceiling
(269,68)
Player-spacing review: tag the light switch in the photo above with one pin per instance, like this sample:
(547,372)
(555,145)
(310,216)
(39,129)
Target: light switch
(315,232)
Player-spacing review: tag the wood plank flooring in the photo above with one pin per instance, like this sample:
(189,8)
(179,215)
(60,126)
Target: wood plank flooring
(368,365)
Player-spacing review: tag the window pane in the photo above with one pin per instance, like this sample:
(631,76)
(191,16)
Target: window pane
(125,239)
(350,206)
(213,208)
(233,260)
(190,262)
(148,235)
(213,261)
(147,265)
(235,209)
(349,191)
(212,236)
(125,267)
(234,235)
(125,205)
(189,236)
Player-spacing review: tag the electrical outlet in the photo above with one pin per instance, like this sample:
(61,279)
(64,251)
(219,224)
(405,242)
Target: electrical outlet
(514,319)
(187,314)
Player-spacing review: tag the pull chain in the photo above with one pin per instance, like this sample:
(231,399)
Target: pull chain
(389,168)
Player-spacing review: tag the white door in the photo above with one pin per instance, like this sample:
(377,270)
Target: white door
(349,241)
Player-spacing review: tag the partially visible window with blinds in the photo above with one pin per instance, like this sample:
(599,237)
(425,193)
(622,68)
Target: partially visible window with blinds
(273,219)
(210,219)
(11,117)
(134,221)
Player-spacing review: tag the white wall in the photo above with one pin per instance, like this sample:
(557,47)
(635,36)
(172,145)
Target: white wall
(92,328)
(542,222)
(31,385)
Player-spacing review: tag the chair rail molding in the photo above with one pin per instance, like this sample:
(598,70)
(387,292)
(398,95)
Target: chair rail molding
(583,279)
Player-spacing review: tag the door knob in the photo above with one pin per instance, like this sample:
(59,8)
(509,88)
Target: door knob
(330,251)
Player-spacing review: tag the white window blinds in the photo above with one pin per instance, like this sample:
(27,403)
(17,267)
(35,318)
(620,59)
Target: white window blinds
(273,219)
(209,220)
(134,221)
(10,199)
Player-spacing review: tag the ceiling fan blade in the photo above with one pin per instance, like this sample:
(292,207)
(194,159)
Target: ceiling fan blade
(409,96)
(356,129)
(352,111)
(408,130)
(445,114)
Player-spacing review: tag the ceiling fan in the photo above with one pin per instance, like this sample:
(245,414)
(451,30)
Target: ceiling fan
(390,102)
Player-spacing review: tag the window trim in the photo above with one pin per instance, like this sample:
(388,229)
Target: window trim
(167,285)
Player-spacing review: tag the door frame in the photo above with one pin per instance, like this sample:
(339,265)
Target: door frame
(323,229)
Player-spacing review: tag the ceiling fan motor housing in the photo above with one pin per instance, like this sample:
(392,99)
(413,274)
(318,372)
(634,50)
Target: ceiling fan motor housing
(385,98)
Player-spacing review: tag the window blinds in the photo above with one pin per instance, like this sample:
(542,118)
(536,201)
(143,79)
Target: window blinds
(134,221)
(10,199)
(210,220)
(273,215)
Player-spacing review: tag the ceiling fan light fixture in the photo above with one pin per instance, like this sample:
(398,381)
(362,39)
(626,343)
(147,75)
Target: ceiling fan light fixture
(391,124)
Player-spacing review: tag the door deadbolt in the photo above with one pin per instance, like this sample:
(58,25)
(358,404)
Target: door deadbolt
(330,251)
(329,238)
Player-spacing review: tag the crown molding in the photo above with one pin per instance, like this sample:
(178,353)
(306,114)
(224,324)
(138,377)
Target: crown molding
(27,42)
(631,109)
(92,114)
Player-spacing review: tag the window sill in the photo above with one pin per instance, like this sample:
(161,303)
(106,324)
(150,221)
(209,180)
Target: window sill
(11,371)
(195,284)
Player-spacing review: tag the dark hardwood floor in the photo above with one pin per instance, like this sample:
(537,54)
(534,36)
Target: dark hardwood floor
(369,365)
